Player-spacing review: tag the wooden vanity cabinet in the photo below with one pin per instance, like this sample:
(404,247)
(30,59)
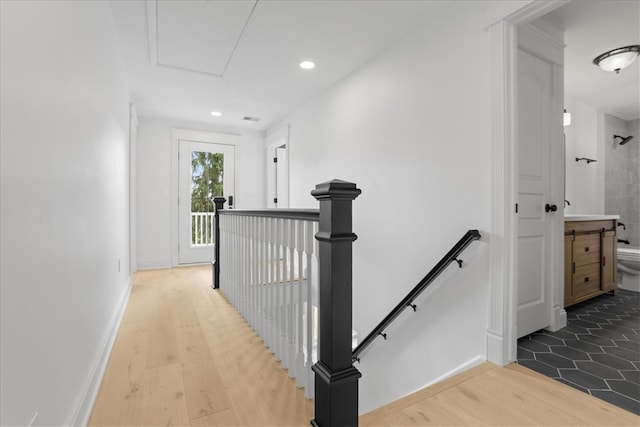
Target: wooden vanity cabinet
(589,259)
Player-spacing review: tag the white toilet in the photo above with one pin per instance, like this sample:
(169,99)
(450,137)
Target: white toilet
(629,269)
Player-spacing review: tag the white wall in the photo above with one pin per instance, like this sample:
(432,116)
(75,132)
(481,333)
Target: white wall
(64,150)
(584,182)
(154,180)
(412,129)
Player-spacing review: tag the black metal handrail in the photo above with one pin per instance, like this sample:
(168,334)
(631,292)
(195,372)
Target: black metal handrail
(407,301)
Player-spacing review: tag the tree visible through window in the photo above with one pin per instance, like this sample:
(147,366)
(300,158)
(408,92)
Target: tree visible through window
(207,178)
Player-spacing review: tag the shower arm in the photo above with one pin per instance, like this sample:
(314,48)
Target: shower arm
(624,139)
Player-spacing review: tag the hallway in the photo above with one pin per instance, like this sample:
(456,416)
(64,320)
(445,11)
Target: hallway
(184,356)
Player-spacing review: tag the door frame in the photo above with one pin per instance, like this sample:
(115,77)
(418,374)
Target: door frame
(197,136)
(503,267)
(274,140)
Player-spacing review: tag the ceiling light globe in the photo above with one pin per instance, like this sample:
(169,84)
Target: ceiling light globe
(617,59)
(618,62)
(216,113)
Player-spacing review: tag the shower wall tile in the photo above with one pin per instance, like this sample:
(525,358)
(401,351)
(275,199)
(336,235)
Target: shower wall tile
(622,176)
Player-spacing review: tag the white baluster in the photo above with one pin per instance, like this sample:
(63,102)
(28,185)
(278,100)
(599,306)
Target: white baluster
(291,332)
(276,279)
(261,278)
(240,283)
(284,332)
(236,261)
(251,273)
(221,258)
(247,268)
(300,372)
(204,240)
(270,284)
(315,293)
(232,260)
(222,262)
(309,247)
(265,279)
(277,290)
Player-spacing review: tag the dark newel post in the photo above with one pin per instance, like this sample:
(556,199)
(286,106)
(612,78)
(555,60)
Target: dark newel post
(336,385)
(219,203)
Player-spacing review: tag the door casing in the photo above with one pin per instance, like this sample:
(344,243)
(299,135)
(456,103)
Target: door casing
(197,136)
(503,267)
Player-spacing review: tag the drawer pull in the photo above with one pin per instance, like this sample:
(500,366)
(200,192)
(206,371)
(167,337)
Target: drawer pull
(604,261)
(586,279)
(586,249)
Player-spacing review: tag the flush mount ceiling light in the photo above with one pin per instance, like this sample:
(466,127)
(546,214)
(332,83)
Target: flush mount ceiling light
(216,113)
(307,65)
(617,59)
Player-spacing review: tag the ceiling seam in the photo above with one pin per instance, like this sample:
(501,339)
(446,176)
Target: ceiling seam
(224,70)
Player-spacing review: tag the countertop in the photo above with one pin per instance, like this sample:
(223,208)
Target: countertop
(590,217)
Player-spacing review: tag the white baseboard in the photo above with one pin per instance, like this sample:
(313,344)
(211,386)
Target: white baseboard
(495,349)
(471,363)
(559,319)
(90,392)
(154,264)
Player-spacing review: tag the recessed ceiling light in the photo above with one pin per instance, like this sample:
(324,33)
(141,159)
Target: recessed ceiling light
(307,65)
(216,113)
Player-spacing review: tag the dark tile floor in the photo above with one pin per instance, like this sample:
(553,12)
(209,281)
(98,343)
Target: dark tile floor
(598,352)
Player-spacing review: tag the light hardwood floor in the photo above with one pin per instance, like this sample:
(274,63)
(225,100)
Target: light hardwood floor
(184,356)
(489,395)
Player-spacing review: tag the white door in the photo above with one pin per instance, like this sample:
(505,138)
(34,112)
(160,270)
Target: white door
(537,98)
(205,171)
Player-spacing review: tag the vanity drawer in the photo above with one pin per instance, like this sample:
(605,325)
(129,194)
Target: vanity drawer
(588,226)
(586,279)
(586,249)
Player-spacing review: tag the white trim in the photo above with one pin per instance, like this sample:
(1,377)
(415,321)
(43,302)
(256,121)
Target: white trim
(503,268)
(177,135)
(463,367)
(90,392)
(275,136)
(133,184)
(152,28)
(502,265)
(152,37)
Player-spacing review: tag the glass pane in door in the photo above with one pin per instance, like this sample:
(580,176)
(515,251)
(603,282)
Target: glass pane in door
(207,182)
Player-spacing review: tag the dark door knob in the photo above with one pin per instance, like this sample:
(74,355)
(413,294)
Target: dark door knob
(550,208)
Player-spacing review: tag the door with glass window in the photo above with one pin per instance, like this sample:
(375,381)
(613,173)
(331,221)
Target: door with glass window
(205,171)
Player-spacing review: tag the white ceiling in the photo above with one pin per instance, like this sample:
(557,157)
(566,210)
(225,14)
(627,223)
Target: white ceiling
(592,28)
(185,59)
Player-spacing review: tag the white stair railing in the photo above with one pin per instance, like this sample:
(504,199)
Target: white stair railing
(269,272)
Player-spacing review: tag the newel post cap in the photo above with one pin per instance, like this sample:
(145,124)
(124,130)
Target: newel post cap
(336,189)
(219,202)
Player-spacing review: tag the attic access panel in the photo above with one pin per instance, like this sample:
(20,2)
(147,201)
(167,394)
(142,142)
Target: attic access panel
(197,35)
